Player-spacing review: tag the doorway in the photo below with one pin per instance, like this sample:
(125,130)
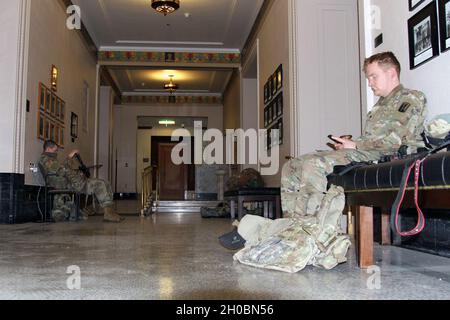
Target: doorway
(174,180)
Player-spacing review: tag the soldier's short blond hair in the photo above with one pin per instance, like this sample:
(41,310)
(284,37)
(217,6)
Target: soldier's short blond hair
(385,60)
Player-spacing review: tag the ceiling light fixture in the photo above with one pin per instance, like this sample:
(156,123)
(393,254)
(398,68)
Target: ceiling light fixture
(166,6)
(167,122)
(171,87)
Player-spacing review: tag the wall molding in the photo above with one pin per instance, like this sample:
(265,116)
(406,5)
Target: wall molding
(21,86)
(293,80)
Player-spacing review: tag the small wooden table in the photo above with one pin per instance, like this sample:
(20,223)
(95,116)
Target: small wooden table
(269,196)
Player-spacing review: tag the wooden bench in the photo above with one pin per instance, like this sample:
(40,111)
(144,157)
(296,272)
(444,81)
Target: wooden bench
(376,186)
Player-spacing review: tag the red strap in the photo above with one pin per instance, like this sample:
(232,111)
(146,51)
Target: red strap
(420,217)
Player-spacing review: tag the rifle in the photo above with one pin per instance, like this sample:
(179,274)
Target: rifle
(82,167)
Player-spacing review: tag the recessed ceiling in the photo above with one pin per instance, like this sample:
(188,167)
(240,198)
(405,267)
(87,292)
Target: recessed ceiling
(199,25)
(150,81)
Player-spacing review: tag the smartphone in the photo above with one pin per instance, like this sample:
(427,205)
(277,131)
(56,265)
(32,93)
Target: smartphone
(331,138)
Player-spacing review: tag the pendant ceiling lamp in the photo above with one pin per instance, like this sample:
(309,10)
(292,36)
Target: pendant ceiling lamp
(166,6)
(171,87)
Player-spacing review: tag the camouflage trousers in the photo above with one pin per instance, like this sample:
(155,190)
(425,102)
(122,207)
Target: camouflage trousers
(101,189)
(63,204)
(304,180)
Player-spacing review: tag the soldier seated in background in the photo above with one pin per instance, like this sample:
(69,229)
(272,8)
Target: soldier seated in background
(311,236)
(68,178)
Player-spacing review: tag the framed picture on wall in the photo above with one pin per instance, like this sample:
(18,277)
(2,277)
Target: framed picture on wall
(280,127)
(61,137)
(280,105)
(265,93)
(444,22)
(48,100)
(41,97)
(413,4)
(423,36)
(269,89)
(41,132)
(46,129)
(53,105)
(274,84)
(62,111)
(279,74)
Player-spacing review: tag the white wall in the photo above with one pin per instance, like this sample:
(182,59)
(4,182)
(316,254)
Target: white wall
(273,38)
(249,110)
(52,43)
(128,141)
(432,78)
(10,16)
(328,72)
(105,136)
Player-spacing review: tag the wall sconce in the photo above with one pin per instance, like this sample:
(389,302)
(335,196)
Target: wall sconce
(54,78)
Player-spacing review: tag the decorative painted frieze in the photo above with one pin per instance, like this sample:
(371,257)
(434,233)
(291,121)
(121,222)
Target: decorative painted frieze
(168,57)
(171,100)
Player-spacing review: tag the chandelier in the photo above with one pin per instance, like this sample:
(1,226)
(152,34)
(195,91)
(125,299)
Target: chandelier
(166,6)
(171,87)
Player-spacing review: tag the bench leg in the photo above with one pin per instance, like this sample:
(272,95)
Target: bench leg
(240,208)
(364,237)
(385,228)
(233,209)
(278,214)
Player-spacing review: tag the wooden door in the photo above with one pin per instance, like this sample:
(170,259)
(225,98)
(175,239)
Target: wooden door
(173,178)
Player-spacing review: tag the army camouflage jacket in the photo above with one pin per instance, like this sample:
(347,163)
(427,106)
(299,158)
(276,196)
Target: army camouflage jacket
(62,176)
(395,120)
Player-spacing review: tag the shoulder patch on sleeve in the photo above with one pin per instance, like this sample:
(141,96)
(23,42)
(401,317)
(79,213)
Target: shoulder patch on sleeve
(404,107)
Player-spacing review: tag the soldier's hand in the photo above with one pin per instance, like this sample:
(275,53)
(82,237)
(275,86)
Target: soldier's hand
(344,143)
(72,154)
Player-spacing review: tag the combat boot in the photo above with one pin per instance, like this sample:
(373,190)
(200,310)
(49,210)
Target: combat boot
(111,216)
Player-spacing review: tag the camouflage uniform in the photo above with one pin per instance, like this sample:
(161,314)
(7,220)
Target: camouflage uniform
(68,178)
(395,120)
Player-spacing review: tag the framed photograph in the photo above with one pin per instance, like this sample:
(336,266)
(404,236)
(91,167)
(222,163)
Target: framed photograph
(62,111)
(279,74)
(280,127)
(52,132)
(53,105)
(265,93)
(274,84)
(265,117)
(57,134)
(42,97)
(280,105)
(413,4)
(423,36)
(41,132)
(48,100)
(74,126)
(274,110)
(58,108)
(46,129)
(61,137)
(269,89)
(269,114)
(444,23)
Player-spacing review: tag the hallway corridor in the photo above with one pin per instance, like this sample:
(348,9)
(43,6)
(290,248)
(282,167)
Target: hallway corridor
(173,257)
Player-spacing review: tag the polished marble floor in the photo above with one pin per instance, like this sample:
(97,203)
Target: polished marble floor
(178,256)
